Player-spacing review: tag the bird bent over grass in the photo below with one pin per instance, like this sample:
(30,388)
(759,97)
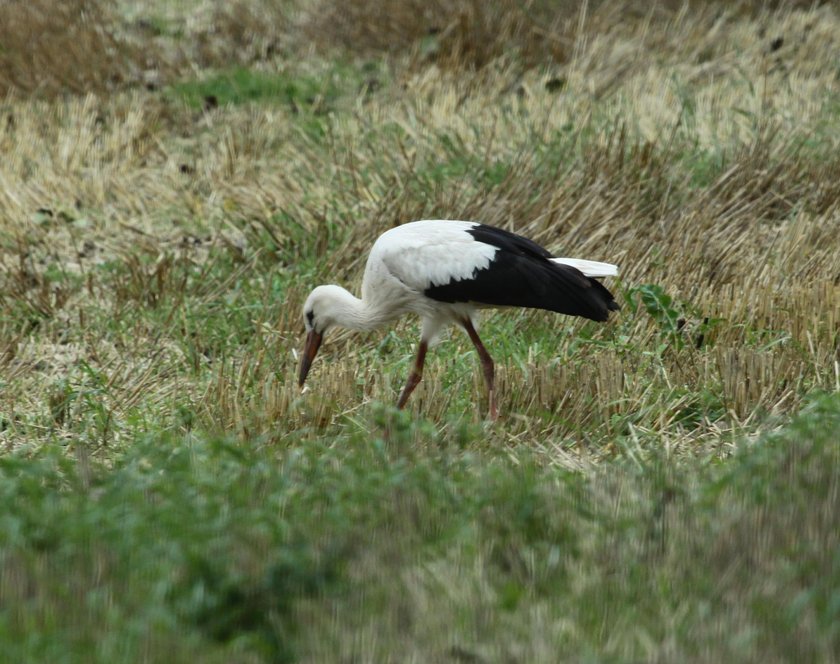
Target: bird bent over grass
(445,271)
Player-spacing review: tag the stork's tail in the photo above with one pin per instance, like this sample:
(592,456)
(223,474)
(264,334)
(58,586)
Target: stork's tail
(594,301)
(590,268)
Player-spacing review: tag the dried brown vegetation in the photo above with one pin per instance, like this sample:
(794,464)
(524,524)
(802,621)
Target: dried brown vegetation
(451,32)
(714,177)
(74,46)
(458,34)
(162,219)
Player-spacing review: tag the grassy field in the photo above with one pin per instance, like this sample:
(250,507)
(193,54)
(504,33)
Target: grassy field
(177,175)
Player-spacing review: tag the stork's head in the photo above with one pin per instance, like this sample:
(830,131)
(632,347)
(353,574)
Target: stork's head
(319,314)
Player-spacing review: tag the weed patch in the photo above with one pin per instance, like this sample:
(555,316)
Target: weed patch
(241,85)
(231,546)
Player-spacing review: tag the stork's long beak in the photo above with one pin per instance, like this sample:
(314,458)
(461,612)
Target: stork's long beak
(313,343)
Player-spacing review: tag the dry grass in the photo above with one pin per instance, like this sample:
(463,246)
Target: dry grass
(160,232)
(711,176)
(218,34)
(49,48)
(453,33)
(459,34)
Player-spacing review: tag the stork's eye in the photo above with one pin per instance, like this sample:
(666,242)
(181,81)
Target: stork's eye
(310,317)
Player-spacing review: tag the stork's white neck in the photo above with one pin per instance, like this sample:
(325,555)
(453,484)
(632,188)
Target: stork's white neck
(336,306)
(349,311)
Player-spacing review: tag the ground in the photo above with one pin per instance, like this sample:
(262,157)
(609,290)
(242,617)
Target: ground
(177,176)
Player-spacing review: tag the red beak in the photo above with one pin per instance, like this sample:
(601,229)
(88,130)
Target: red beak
(313,343)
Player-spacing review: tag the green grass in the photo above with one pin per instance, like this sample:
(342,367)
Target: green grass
(659,488)
(241,85)
(221,548)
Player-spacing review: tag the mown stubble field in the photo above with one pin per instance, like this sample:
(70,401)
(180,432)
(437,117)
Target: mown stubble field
(177,176)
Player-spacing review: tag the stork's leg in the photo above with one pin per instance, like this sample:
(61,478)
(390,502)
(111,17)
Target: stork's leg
(486,365)
(416,374)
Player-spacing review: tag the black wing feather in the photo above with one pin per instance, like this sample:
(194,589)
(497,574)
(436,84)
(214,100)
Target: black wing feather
(522,275)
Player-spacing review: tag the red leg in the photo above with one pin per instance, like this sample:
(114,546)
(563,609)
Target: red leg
(486,365)
(416,374)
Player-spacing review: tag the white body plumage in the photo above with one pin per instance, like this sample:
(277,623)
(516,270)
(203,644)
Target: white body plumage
(444,271)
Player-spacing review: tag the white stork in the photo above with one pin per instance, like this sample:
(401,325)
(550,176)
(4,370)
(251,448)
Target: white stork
(445,271)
